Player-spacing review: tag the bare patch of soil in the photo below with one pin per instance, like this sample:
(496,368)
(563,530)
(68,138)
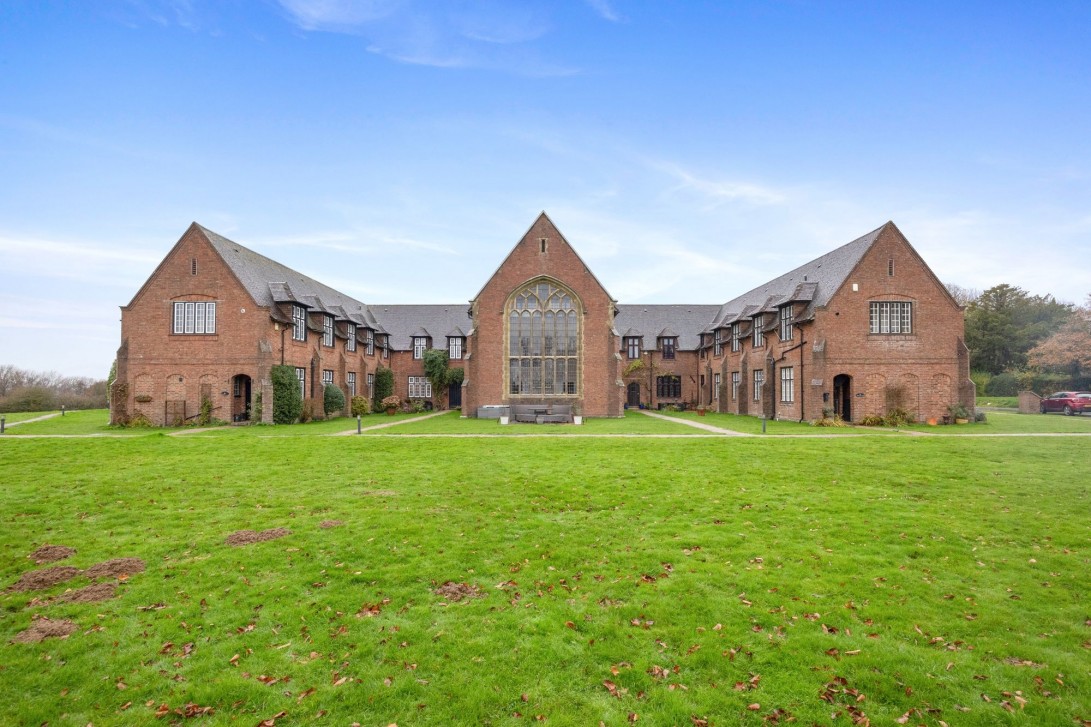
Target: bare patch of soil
(36,580)
(248,537)
(114,568)
(51,553)
(451,591)
(45,628)
(327,524)
(90,594)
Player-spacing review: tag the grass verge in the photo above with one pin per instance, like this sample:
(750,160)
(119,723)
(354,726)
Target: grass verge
(738,580)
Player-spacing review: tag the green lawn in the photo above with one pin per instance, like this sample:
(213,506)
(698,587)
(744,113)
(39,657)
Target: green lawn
(752,425)
(1008,402)
(18,416)
(1012,423)
(86,421)
(632,423)
(670,579)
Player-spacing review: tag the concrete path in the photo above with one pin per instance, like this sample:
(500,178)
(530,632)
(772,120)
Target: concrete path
(695,425)
(8,425)
(398,422)
(198,430)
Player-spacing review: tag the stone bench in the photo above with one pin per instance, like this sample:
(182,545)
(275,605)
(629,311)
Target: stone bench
(542,413)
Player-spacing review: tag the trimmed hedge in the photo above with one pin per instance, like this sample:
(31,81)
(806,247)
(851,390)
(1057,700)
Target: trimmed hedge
(333,400)
(287,401)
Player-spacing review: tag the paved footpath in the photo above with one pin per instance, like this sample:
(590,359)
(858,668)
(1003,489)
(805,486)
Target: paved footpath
(373,427)
(695,425)
(8,425)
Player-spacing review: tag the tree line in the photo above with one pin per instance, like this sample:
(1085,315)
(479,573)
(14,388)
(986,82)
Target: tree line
(22,390)
(1022,341)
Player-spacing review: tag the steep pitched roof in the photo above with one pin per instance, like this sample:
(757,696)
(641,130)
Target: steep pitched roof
(813,283)
(543,216)
(403,322)
(653,321)
(269,282)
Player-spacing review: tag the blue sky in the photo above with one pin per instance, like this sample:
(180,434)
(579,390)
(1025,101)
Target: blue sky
(397,149)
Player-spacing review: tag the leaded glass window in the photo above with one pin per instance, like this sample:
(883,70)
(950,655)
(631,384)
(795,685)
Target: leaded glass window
(543,341)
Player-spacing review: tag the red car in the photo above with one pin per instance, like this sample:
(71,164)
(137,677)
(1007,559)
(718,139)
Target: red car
(1069,402)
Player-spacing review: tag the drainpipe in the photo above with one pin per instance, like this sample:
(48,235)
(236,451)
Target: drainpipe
(802,387)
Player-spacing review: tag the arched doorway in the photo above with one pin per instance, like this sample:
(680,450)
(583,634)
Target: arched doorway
(240,398)
(842,396)
(633,394)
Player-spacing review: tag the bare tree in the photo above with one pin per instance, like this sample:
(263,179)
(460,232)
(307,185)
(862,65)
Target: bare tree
(963,296)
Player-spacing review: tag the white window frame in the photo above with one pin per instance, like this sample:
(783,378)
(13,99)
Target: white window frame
(736,337)
(787,322)
(370,384)
(350,344)
(327,378)
(301,374)
(350,381)
(759,334)
(787,385)
(420,387)
(718,342)
(759,383)
(736,379)
(454,347)
(194,317)
(369,341)
(327,331)
(715,387)
(299,323)
(890,317)
(420,343)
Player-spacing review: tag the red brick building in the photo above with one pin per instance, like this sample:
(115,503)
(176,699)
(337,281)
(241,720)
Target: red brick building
(864,329)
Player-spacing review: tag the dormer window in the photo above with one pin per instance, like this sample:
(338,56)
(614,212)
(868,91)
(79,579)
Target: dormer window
(327,330)
(668,345)
(718,342)
(759,334)
(454,347)
(350,344)
(369,341)
(299,323)
(632,347)
(736,338)
(420,343)
(786,322)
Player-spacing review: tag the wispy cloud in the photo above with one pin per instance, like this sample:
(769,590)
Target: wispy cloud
(605,10)
(720,191)
(484,34)
(360,243)
(182,13)
(82,261)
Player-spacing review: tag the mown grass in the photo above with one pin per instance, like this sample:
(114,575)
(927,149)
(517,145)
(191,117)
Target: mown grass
(753,425)
(1013,423)
(18,416)
(1003,402)
(83,422)
(632,423)
(924,571)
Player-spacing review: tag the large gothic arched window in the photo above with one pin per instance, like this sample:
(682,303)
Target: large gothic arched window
(543,341)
